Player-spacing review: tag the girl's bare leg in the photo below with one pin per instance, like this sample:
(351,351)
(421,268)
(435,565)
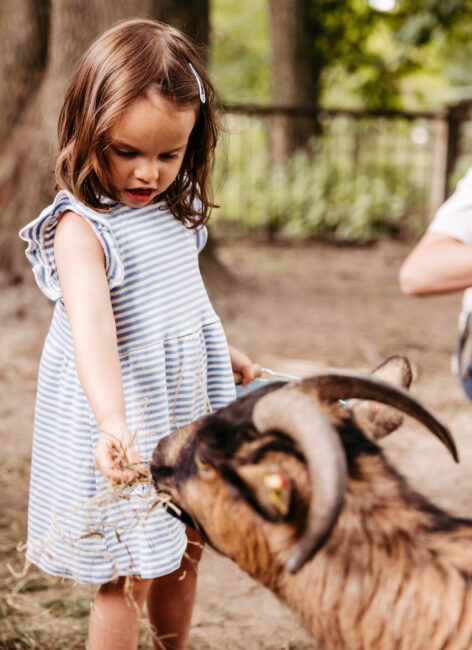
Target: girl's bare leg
(170,599)
(114,620)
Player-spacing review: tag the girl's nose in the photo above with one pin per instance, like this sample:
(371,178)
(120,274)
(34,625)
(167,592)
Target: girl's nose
(147,170)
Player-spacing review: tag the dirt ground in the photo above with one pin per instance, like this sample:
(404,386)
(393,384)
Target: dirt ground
(294,309)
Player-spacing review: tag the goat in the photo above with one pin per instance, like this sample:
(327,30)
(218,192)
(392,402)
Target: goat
(289,482)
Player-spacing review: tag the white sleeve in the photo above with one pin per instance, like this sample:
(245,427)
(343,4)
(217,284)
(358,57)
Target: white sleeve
(454,217)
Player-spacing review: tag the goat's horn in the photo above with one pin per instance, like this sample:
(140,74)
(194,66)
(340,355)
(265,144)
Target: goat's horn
(299,418)
(347,384)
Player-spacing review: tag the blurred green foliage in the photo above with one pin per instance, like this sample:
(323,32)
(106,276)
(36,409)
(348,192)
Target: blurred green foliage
(363,57)
(240,50)
(407,58)
(333,189)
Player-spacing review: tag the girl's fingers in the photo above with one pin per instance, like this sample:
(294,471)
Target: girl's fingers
(134,462)
(117,463)
(132,455)
(250,373)
(118,476)
(246,374)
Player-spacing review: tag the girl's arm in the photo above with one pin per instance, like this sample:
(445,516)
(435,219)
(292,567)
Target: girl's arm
(243,368)
(80,262)
(438,264)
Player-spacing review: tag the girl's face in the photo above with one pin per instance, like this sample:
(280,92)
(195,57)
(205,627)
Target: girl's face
(147,147)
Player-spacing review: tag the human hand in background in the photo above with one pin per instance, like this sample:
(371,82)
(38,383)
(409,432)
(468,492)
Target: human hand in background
(244,370)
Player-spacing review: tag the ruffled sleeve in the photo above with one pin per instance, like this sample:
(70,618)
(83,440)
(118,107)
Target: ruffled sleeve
(201,232)
(201,237)
(39,234)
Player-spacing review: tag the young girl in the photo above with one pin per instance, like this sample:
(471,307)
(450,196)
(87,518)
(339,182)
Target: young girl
(135,348)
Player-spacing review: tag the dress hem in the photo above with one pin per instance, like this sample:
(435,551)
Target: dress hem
(144,575)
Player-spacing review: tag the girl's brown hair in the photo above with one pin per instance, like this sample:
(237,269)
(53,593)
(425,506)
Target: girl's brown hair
(118,68)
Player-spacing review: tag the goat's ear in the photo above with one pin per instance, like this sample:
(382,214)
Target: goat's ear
(269,489)
(378,420)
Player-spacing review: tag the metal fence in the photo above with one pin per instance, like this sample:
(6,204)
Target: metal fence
(365,173)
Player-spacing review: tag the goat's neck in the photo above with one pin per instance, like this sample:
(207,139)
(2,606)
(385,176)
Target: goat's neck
(389,576)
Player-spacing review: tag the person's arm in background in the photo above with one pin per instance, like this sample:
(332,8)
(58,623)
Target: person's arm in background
(442,260)
(438,264)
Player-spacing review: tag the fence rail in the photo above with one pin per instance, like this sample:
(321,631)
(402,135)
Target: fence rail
(363,172)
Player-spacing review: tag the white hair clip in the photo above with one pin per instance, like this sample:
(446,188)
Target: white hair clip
(201,89)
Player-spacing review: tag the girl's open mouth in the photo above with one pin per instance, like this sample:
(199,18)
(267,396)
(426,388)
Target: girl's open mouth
(140,195)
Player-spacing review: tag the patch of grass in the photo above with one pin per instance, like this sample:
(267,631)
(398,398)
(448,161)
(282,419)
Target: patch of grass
(38,611)
(25,623)
(36,583)
(23,626)
(68,607)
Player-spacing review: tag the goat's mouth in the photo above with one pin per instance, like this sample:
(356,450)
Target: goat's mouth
(161,475)
(163,480)
(175,510)
(182,515)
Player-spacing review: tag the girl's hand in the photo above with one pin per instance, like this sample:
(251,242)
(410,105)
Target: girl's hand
(116,457)
(243,369)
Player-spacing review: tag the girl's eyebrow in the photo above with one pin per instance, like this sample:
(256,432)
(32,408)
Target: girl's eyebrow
(120,144)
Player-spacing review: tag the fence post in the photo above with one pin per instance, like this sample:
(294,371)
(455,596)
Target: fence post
(446,148)
(440,166)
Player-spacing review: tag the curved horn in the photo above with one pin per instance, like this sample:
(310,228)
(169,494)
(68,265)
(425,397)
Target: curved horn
(299,418)
(346,384)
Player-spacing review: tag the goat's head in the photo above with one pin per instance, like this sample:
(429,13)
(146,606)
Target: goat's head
(285,451)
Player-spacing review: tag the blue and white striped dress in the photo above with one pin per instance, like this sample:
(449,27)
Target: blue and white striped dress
(175,366)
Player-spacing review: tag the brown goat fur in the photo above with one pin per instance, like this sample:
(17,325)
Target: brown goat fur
(394,573)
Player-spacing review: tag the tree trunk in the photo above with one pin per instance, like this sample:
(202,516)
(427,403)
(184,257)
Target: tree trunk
(294,82)
(191,16)
(46,39)
(23,47)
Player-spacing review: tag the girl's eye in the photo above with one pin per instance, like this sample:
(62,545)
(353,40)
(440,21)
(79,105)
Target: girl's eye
(169,156)
(125,154)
